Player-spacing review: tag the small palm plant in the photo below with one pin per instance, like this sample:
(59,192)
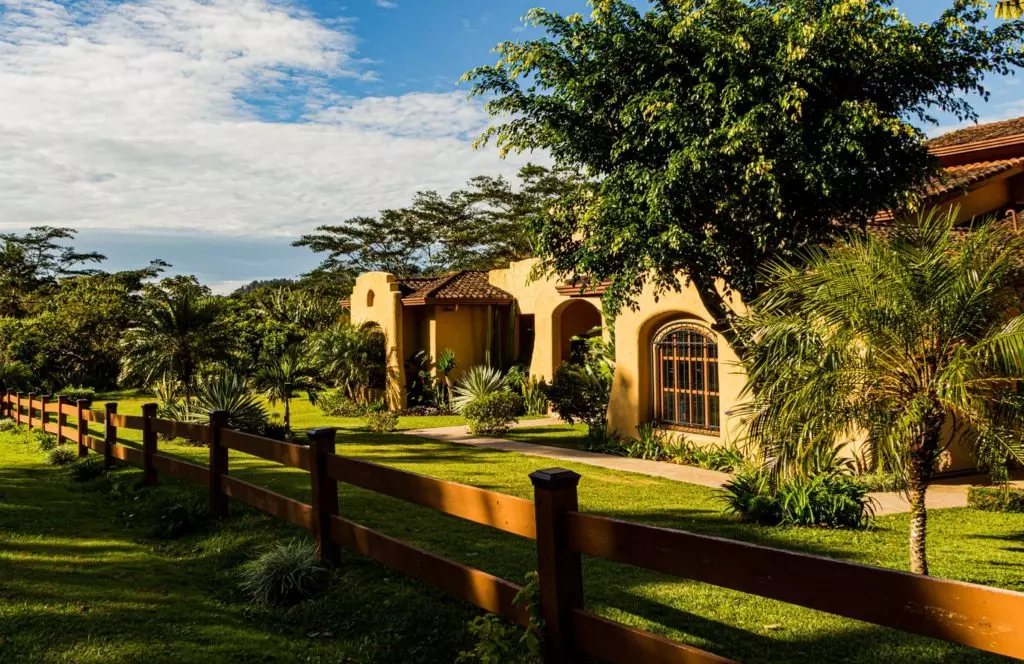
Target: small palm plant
(284,378)
(445,365)
(909,336)
(479,381)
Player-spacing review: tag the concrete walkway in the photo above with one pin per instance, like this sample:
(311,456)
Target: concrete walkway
(670,471)
(942,494)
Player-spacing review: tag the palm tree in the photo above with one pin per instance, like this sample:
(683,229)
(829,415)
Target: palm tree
(1009,9)
(179,329)
(909,337)
(283,378)
(351,357)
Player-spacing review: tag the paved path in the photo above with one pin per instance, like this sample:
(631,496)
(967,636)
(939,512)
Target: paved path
(671,471)
(942,494)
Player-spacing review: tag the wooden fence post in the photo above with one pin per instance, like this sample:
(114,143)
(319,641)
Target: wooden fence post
(9,401)
(325,494)
(559,569)
(110,439)
(218,464)
(43,402)
(31,397)
(83,428)
(148,444)
(62,418)
(17,409)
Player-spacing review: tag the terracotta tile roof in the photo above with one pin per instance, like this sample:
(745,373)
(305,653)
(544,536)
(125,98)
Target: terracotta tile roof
(470,286)
(956,178)
(978,133)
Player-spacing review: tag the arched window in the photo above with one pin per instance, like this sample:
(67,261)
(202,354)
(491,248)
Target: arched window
(686,378)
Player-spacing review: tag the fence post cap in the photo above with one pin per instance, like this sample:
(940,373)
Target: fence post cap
(110,405)
(82,402)
(554,478)
(150,406)
(218,416)
(321,432)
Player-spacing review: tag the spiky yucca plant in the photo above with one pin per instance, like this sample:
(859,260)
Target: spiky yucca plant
(907,336)
(479,381)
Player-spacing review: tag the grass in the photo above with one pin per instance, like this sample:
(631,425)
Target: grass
(964,544)
(571,436)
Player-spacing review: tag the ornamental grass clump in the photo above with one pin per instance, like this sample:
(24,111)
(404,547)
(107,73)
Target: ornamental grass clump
(286,574)
(61,456)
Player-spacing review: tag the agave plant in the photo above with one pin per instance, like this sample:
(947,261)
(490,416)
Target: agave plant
(478,382)
(230,393)
(227,391)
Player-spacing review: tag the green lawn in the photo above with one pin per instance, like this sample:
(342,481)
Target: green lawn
(304,415)
(571,436)
(66,532)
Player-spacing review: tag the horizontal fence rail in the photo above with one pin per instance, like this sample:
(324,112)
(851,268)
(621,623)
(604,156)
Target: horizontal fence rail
(981,617)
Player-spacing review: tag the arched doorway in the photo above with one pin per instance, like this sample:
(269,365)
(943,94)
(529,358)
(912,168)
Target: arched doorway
(575,321)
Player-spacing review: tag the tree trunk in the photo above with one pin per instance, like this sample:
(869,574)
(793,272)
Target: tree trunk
(287,419)
(723,314)
(919,476)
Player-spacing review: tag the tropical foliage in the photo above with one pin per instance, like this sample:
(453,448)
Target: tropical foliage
(909,337)
(720,135)
(287,377)
(178,331)
(478,382)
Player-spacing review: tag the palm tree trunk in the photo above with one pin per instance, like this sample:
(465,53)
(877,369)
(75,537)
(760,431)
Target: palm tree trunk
(917,480)
(919,476)
(287,418)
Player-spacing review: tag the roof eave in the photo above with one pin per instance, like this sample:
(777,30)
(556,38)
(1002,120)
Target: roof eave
(993,149)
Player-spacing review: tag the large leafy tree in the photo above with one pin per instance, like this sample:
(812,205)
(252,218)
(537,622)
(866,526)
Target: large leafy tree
(489,222)
(721,134)
(907,336)
(32,263)
(180,328)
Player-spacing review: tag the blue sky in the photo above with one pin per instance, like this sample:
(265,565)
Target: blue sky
(210,134)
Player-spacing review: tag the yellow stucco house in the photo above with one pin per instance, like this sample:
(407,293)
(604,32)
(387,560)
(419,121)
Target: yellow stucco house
(671,366)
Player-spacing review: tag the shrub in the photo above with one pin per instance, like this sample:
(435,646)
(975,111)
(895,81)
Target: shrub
(650,444)
(492,413)
(883,481)
(334,403)
(285,574)
(76,393)
(381,421)
(7,424)
(578,394)
(86,470)
(175,513)
(62,456)
(44,441)
(996,499)
(497,641)
(829,499)
(715,457)
(600,439)
(479,382)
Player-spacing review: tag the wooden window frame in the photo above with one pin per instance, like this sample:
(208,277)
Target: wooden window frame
(660,343)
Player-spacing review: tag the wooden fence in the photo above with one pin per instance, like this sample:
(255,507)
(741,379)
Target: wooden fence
(989,619)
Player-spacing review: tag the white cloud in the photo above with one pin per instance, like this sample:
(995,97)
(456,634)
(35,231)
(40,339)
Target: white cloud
(164,115)
(386,4)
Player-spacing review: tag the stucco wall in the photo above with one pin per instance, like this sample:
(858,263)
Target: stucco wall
(377,300)
(632,388)
(541,299)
